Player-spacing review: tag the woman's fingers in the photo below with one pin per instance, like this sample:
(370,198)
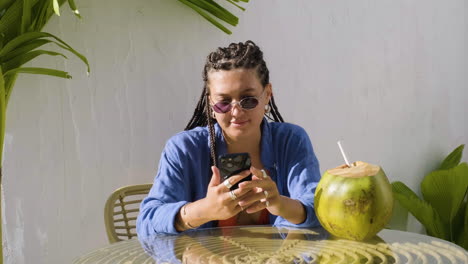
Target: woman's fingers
(216,178)
(256,172)
(263,184)
(264,192)
(229,182)
(255,207)
(221,201)
(238,194)
(253,197)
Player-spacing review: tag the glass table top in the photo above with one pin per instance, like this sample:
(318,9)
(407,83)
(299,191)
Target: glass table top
(266,244)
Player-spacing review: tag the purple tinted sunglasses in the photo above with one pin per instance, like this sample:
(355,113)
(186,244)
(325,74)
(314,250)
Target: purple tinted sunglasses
(247,103)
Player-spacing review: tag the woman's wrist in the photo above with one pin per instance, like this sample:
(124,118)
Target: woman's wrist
(191,216)
(292,210)
(185,217)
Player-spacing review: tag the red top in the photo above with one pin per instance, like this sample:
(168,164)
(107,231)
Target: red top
(262,220)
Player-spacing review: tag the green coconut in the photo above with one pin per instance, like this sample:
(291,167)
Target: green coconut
(354,202)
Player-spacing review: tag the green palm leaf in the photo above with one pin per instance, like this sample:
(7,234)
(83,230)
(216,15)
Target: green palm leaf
(234,3)
(217,11)
(446,190)
(453,159)
(26,17)
(56,6)
(72,5)
(44,71)
(76,53)
(460,224)
(206,16)
(211,11)
(10,21)
(463,238)
(22,59)
(30,36)
(422,210)
(42,12)
(21,40)
(31,45)
(4,4)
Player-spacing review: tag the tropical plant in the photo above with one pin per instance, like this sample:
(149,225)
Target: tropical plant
(443,210)
(21,22)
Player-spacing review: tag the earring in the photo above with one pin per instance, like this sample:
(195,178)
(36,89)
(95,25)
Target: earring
(267,108)
(213,115)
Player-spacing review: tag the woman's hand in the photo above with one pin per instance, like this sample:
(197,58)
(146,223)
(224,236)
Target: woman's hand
(264,195)
(220,201)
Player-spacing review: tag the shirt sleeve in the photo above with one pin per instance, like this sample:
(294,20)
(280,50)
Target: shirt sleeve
(303,175)
(168,194)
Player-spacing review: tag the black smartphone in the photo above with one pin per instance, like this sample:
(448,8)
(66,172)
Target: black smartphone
(232,164)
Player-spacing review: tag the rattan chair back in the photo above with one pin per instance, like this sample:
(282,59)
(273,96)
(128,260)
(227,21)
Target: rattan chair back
(121,211)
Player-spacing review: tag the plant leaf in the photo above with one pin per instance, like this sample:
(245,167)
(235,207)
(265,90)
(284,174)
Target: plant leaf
(234,3)
(29,36)
(218,11)
(79,55)
(206,16)
(214,9)
(20,40)
(420,209)
(26,57)
(9,24)
(72,5)
(453,159)
(445,190)
(56,6)
(461,226)
(9,83)
(26,17)
(4,4)
(25,48)
(463,239)
(44,71)
(43,11)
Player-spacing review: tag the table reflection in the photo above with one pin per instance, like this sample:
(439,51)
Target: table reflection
(240,245)
(267,244)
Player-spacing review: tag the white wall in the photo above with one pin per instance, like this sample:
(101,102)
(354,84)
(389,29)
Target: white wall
(389,77)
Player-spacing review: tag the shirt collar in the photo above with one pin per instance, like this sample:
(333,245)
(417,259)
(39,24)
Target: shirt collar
(266,143)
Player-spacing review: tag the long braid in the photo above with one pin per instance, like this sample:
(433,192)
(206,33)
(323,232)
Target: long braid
(199,118)
(274,113)
(212,133)
(237,55)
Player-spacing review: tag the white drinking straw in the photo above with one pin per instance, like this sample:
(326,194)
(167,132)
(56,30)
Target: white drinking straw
(343,153)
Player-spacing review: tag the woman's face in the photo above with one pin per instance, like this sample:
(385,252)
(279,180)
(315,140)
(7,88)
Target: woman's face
(232,86)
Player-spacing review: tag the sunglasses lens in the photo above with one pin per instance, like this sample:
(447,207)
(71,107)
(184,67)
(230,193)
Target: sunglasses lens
(249,103)
(246,103)
(222,107)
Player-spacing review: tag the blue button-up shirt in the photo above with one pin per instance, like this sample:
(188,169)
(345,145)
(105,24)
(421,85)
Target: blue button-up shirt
(184,173)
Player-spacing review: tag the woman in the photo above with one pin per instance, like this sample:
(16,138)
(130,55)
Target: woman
(230,118)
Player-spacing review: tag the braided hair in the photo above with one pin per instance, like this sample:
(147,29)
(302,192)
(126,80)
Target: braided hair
(237,55)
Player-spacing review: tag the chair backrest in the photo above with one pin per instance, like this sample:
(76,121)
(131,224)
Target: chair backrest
(121,211)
